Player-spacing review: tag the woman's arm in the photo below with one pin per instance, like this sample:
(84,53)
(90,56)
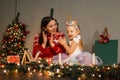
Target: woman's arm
(58,49)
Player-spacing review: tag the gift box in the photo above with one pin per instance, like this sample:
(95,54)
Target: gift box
(13,59)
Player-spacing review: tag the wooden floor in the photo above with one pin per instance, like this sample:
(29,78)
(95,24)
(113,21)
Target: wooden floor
(36,76)
(26,76)
(44,76)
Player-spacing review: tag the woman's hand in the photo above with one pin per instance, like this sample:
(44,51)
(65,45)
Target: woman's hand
(44,39)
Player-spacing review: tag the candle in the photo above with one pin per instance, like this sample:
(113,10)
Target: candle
(93,59)
(30,54)
(60,58)
(37,54)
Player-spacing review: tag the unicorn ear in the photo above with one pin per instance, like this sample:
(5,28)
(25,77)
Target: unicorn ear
(71,22)
(69,18)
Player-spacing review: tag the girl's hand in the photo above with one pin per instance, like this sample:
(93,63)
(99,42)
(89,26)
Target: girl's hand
(51,41)
(62,40)
(44,39)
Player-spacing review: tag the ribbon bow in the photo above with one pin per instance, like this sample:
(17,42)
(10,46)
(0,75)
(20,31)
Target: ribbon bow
(104,37)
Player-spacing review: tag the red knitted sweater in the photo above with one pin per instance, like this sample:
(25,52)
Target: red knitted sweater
(48,52)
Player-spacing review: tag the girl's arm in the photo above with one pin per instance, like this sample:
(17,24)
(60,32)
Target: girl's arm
(69,48)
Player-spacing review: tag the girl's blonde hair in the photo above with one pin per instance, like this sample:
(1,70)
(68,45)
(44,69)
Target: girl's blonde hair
(74,23)
(81,44)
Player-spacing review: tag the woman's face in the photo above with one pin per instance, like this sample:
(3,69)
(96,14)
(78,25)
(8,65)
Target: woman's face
(51,27)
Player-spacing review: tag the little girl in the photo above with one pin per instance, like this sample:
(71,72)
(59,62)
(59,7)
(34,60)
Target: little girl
(75,47)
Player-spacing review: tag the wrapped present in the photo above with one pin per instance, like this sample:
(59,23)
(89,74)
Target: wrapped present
(13,59)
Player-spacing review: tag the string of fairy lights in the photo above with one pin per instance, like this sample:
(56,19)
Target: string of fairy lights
(64,70)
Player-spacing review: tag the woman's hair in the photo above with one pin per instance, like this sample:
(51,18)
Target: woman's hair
(44,23)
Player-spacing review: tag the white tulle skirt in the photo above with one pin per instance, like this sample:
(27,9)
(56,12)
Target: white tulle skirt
(63,57)
(84,58)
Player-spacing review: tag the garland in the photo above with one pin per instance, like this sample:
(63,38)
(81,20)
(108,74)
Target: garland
(66,70)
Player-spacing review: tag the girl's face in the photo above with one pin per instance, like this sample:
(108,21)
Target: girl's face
(72,32)
(51,27)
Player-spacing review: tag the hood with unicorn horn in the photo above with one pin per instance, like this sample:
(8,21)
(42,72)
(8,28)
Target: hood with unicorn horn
(71,22)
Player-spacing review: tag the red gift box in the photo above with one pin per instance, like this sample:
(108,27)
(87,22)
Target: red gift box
(13,59)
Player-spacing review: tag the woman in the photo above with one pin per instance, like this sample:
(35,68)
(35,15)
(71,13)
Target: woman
(47,41)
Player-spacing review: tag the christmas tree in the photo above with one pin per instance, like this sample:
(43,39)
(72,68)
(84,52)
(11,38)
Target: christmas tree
(13,42)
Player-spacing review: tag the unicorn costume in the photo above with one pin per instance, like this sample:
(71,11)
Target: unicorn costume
(79,56)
